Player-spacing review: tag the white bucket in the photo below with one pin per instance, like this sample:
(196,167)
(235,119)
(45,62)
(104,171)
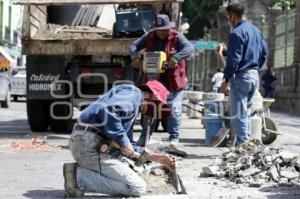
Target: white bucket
(192,113)
(257,102)
(256,127)
(213,96)
(195,95)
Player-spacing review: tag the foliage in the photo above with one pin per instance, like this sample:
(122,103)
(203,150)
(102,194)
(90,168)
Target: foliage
(282,3)
(201,14)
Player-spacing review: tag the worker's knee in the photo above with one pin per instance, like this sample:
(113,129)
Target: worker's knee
(138,188)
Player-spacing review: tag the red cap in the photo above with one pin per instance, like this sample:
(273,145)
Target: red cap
(158,90)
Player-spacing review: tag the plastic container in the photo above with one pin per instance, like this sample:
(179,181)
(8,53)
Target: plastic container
(214,107)
(256,127)
(213,96)
(257,102)
(192,113)
(213,123)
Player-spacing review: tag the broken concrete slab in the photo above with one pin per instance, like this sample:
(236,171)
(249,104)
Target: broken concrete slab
(210,171)
(255,164)
(287,156)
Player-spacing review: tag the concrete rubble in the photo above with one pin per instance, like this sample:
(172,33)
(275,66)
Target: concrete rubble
(255,164)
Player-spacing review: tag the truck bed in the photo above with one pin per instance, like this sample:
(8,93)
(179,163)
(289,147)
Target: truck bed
(84,46)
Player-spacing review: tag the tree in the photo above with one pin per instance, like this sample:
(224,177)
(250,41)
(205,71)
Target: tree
(282,3)
(201,14)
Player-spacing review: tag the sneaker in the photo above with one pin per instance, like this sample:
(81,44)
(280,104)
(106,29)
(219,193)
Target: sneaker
(71,188)
(174,142)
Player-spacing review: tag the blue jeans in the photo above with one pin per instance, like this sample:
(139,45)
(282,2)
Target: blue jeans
(102,173)
(174,120)
(243,86)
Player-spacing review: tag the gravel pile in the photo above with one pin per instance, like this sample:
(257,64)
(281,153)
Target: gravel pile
(255,164)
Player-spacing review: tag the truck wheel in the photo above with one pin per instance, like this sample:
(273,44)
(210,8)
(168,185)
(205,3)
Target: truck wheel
(59,124)
(37,113)
(6,103)
(15,98)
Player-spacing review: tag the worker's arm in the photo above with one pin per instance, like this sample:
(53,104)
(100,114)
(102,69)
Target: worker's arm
(185,49)
(234,56)
(114,130)
(264,53)
(165,159)
(137,45)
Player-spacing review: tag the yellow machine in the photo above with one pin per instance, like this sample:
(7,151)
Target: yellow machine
(155,62)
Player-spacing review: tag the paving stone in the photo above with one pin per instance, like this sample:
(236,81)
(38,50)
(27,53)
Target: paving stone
(274,173)
(249,172)
(291,175)
(287,156)
(210,171)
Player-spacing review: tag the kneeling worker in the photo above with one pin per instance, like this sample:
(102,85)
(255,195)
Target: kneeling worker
(109,120)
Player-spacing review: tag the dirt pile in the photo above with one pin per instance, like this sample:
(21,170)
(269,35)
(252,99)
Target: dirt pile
(255,164)
(58,32)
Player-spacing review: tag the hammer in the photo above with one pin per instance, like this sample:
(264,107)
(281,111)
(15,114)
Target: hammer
(140,158)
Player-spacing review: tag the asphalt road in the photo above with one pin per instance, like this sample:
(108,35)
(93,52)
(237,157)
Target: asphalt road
(37,174)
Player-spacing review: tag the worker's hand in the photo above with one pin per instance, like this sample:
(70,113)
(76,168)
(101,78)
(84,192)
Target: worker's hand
(166,160)
(171,64)
(221,49)
(224,87)
(136,63)
(127,151)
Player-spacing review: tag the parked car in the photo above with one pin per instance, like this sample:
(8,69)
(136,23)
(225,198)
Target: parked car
(18,82)
(4,88)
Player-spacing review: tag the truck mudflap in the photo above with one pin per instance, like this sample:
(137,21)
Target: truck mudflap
(49,94)
(46,77)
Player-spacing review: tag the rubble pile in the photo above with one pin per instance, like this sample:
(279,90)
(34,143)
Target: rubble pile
(255,164)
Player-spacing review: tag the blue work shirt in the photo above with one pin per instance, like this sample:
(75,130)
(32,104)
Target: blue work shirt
(246,49)
(115,112)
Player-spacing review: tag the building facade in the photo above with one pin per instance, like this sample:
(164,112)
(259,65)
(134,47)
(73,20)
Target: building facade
(10,29)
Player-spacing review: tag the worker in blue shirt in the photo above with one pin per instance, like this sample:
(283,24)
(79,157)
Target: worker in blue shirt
(103,133)
(246,54)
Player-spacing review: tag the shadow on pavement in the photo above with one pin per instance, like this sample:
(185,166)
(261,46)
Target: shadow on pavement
(44,194)
(282,192)
(50,194)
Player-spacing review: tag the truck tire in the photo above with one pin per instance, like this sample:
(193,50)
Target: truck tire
(6,102)
(61,125)
(37,114)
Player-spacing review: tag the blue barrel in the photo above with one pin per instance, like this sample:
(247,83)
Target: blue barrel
(213,123)
(214,110)
(214,107)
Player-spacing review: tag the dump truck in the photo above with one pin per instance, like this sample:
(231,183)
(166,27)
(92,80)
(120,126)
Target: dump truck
(78,49)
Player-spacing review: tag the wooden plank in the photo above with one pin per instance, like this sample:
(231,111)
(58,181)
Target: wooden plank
(33,30)
(26,23)
(78,15)
(81,18)
(35,22)
(86,16)
(97,15)
(36,13)
(93,12)
(42,9)
(78,47)
(52,2)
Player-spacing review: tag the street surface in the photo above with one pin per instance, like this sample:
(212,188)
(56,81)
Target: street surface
(37,173)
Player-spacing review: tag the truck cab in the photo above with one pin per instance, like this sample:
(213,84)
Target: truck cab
(77,50)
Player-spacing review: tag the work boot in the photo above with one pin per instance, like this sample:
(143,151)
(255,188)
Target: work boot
(71,188)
